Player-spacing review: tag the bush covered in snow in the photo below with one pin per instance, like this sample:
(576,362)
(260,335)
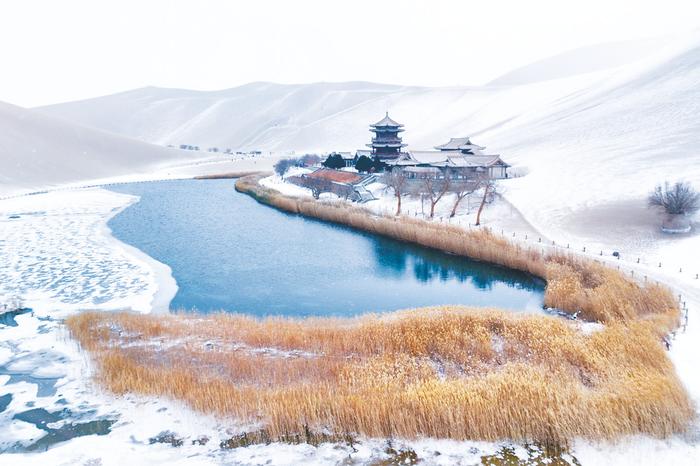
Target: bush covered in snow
(677,199)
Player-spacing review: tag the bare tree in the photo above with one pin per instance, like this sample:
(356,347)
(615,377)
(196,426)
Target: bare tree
(462,189)
(436,188)
(489,186)
(282,165)
(396,179)
(318,186)
(309,160)
(677,199)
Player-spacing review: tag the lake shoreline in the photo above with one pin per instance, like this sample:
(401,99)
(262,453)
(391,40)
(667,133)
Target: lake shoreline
(165,285)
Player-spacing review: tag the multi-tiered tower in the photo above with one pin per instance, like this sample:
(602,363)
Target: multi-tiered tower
(386,143)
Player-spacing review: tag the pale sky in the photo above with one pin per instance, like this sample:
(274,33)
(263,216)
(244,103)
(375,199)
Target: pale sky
(53,51)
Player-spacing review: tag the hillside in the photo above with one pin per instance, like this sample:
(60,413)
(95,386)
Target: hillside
(38,151)
(315,117)
(582,60)
(328,116)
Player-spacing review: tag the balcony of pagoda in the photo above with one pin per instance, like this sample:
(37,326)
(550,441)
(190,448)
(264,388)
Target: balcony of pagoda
(386,141)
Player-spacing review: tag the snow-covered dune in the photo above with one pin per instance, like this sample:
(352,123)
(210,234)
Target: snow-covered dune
(583,60)
(38,151)
(317,116)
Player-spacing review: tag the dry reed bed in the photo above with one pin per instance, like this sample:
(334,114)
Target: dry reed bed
(450,372)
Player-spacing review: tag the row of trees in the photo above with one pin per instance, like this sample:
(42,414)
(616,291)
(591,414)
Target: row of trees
(363,164)
(435,189)
(307,160)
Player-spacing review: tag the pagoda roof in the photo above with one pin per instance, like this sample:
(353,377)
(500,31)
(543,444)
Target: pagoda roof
(460,144)
(386,121)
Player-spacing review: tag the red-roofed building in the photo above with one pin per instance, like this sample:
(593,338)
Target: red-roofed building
(336,176)
(349,185)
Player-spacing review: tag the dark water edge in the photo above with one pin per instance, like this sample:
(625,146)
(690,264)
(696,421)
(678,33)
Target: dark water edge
(228,252)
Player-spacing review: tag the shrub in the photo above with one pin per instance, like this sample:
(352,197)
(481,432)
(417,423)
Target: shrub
(364,164)
(677,199)
(282,165)
(334,161)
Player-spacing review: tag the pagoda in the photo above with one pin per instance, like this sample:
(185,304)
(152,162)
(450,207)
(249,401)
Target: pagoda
(386,143)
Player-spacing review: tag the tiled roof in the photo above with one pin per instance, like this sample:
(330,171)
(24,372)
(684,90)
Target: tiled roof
(336,176)
(386,121)
(460,144)
(452,158)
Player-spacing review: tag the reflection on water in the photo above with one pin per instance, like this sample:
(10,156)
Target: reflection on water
(229,252)
(428,265)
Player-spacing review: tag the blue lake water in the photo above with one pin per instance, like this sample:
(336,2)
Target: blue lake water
(228,252)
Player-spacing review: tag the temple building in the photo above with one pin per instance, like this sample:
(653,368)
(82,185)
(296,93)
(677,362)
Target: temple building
(459,158)
(386,143)
(452,163)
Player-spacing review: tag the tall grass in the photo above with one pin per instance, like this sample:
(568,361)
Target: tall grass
(450,372)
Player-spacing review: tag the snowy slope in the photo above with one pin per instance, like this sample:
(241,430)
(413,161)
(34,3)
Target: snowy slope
(582,60)
(327,116)
(317,117)
(38,151)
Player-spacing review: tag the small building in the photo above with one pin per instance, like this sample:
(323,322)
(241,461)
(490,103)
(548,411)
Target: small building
(350,185)
(464,145)
(348,158)
(363,153)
